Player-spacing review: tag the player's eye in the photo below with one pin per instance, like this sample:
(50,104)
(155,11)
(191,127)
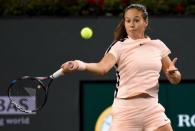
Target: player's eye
(127,20)
(136,20)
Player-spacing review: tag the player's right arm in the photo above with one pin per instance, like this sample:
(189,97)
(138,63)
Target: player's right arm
(99,68)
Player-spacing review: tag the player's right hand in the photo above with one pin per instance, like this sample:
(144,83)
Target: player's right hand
(69,66)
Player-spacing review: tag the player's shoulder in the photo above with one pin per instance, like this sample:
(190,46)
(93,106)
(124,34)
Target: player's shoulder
(119,42)
(157,41)
(123,39)
(115,44)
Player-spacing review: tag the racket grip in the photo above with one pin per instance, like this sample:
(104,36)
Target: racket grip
(57,74)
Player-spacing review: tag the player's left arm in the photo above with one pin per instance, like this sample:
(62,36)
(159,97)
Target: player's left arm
(171,71)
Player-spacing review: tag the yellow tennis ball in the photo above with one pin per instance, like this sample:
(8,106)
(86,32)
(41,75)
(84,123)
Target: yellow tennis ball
(86,33)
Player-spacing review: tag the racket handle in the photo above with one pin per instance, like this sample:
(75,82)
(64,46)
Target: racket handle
(57,74)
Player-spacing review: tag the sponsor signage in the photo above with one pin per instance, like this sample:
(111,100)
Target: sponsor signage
(10,115)
(97,97)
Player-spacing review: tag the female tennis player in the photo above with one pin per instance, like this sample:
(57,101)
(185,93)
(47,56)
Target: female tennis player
(138,60)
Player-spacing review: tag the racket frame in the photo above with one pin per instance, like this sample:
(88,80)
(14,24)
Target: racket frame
(40,81)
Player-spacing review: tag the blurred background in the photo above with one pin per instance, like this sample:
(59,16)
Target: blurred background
(37,36)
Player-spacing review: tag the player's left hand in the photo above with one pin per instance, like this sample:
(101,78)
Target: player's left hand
(172,69)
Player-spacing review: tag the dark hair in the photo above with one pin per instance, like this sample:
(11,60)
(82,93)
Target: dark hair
(120,32)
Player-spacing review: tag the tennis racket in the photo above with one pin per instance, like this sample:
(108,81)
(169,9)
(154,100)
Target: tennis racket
(29,94)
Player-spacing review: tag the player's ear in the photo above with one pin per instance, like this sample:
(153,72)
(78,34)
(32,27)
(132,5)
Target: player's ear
(146,23)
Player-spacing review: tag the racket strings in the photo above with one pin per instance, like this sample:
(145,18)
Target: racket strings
(27,94)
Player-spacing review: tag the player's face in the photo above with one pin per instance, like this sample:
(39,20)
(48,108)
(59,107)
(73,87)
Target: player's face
(135,24)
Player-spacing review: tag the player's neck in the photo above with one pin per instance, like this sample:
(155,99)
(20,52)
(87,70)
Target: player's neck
(136,36)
